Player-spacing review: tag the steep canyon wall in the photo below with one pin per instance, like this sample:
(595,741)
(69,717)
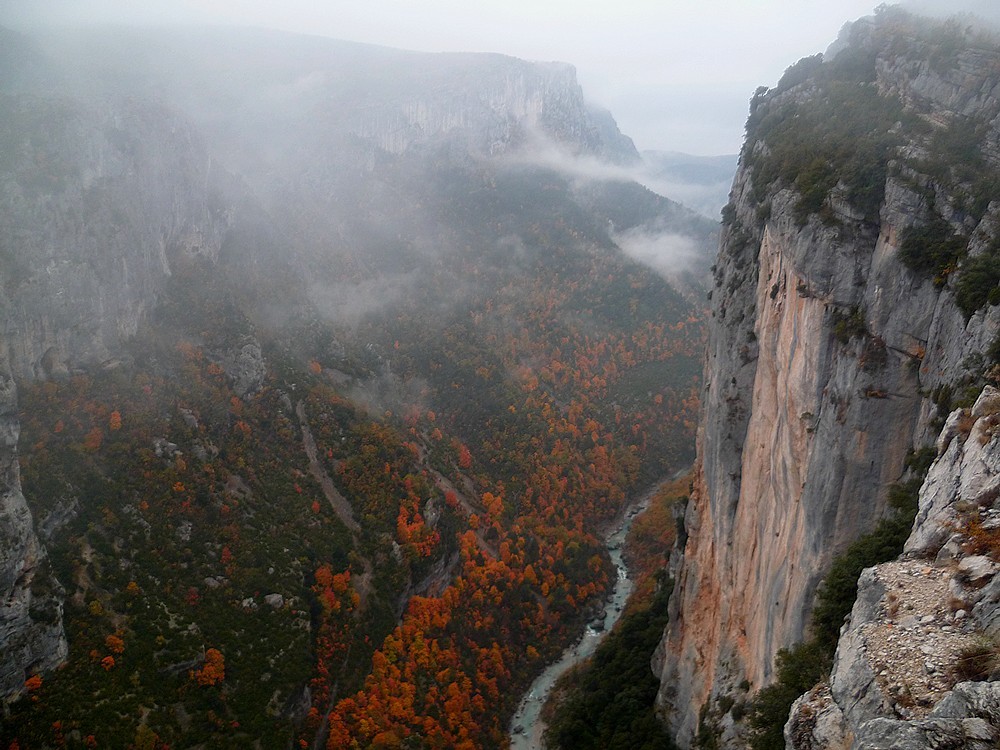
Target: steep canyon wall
(824,350)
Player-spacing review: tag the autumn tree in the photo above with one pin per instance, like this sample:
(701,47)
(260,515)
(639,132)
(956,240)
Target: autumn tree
(213,671)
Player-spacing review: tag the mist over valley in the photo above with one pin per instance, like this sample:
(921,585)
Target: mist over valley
(324,351)
(354,396)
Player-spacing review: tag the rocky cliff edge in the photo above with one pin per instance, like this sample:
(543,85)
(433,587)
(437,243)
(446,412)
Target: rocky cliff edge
(918,661)
(829,357)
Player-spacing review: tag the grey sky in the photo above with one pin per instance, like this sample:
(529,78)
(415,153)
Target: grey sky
(676,74)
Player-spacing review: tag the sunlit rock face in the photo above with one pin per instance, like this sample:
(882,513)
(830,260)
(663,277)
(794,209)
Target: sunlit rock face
(823,349)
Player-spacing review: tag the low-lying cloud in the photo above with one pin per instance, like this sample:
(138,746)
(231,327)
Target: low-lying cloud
(668,253)
(347,303)
(706,199)
(539,150)
(984,10)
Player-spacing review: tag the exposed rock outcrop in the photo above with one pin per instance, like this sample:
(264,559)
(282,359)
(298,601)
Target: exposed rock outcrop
(923,627)
(822,350)
(245,367)
(497,104)
(31,630)
(96,204)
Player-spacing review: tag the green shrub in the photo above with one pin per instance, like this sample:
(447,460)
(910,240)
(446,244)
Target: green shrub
(842,134)
(800,72)
(707,737)
(978,282)
(798,669)
(933,249)
(611,702)
(814,182)
(848,325)
(919,460)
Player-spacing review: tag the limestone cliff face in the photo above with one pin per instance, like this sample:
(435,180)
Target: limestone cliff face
(822,347)
(490,104)
(97,201)
(906,675)
(292,97)
(31,630)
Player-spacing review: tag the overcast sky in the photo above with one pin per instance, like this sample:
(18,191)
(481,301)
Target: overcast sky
(676,74)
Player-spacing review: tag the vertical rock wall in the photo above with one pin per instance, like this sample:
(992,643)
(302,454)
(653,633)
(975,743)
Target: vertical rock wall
(97,200)
(822,348)
(31,631)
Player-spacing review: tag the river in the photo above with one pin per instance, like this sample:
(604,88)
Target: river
(527,726)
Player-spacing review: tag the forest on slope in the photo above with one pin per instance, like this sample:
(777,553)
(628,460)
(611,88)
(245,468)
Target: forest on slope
(345,483)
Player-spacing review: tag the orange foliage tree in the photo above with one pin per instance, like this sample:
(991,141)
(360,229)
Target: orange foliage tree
(214,669)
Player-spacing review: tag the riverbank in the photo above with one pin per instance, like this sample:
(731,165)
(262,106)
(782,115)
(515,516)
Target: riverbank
(527,727)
